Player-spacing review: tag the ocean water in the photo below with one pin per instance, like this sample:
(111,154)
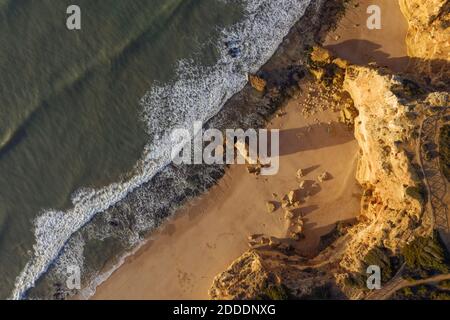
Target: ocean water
(85,121)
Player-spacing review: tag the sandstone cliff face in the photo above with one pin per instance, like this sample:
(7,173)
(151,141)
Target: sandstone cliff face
(392,210)
(428,36)
(270,274)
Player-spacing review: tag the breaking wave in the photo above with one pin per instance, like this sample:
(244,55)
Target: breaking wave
(197,95)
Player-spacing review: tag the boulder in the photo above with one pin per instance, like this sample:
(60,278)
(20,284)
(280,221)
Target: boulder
(302,184)
(320,55)
(257,83)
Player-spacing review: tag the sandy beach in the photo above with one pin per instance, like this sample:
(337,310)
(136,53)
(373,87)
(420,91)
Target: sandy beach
(180,260)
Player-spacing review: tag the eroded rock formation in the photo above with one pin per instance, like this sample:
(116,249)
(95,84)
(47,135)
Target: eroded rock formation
(428,38)
(385,130)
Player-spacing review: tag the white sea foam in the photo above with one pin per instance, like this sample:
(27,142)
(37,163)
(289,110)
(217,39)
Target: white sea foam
(197,95)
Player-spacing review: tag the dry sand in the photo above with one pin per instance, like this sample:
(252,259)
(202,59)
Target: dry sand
(181,260)
(352,40)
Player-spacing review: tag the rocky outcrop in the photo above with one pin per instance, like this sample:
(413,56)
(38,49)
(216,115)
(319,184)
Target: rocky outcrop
(391,214)
(428,36)
(257,83)
(265,274)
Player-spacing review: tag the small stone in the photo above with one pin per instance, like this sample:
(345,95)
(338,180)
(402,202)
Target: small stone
(274,242)
(293,197)
(270,206)
(300,173)
(297,229)
(324,176)
(254,169)
(285,204)
(252,237)
(302,184)
(297,203)
(296,236)
(288,215)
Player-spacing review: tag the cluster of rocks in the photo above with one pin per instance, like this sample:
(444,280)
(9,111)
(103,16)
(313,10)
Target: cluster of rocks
(329,73)
(291,202)
(319,99)
(260,241)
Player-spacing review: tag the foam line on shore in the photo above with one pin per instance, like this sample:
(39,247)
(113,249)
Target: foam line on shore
(197,95)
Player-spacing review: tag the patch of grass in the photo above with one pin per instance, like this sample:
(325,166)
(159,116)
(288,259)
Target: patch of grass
(379,257)
(440,295)
(376,257)
(445,284)
(421,292)
(323,292)
(356,280)
(417,192)
(275,292)
(426,256)
(407,292)
(444,150)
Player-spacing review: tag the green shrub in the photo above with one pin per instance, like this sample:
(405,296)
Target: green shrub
(323,292)
(407,292)
(422,292)
(416,192)
(440,295)
(379,257)
(445,284)
(275,292)
(356,280)
(426,254)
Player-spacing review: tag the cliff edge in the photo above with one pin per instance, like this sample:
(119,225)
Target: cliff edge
(396,118)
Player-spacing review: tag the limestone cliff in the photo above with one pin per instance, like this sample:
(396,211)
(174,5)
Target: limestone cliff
(392,204)
(272,274)
(428,37)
